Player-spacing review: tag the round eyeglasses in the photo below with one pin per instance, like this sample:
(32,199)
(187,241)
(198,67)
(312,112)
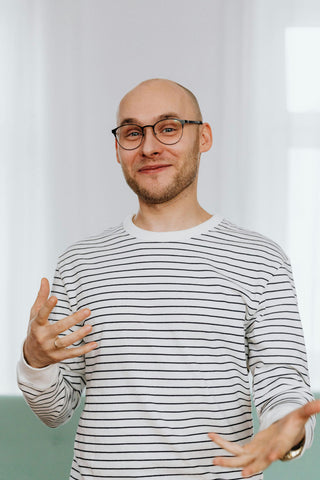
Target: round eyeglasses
(168,131)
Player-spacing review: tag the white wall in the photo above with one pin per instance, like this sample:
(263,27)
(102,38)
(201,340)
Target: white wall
(64,66)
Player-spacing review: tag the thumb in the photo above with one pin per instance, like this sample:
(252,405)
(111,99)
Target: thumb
(42,296)
(310,408)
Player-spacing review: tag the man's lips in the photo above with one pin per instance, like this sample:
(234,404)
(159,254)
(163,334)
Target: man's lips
(153,168)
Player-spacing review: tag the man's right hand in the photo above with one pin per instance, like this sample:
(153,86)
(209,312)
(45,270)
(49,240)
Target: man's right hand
(43,346)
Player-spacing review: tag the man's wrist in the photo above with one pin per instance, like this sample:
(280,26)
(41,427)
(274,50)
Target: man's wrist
(295,451)
(28,358)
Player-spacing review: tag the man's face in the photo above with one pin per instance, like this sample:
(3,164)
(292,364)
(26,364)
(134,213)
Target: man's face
(157,173)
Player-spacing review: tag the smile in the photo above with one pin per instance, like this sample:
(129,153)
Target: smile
(153,168)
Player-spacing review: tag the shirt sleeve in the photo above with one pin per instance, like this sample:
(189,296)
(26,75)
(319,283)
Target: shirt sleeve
(276,353)
(54,392)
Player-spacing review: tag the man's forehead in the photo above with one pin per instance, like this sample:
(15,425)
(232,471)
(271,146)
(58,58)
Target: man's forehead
(150,101)
(153,119)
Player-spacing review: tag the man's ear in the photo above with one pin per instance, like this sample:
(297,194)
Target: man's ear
(205,140)
(117,151)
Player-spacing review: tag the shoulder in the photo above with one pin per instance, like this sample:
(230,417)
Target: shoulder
(94,244)
(249,243)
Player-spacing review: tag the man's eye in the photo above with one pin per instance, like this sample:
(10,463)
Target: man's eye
(168,129)
(132,134)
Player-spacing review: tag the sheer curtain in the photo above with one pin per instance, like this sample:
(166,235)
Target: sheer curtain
(64,66)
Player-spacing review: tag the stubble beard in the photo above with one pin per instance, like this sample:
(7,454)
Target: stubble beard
(182,180)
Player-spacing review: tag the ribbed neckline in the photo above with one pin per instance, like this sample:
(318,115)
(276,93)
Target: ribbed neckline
(138,232)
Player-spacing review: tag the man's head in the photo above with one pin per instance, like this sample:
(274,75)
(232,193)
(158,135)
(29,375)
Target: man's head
(175,87)
(158,172)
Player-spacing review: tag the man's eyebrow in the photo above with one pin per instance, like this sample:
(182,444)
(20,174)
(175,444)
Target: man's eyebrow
(129,120)
(160,117)
(169,115)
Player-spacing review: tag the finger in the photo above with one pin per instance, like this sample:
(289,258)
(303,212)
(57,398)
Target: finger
(261,462)
(68,340)
(45,310)
(255,467)
(231,447)
(42,296)
(233,462)
(76,351)
(70,321)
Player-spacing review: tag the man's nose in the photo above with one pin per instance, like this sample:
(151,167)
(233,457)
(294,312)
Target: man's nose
(150,144)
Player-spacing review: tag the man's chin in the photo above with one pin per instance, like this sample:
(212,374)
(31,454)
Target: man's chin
(154,199)
(159,194)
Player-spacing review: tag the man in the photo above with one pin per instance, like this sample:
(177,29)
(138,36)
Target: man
(168,312)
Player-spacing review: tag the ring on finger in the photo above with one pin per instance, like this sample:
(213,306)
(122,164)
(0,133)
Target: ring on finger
(56,343)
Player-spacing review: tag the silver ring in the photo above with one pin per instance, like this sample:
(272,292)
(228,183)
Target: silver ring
(55,343)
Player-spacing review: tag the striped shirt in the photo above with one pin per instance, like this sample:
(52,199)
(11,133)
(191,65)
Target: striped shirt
(182,319)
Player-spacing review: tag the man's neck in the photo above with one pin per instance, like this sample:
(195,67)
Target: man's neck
(170,216)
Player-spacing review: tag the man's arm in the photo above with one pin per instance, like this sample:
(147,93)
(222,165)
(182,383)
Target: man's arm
(50,373)
(277,361)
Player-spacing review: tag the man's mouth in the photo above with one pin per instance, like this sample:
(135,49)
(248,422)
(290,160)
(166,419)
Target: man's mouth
(153,168)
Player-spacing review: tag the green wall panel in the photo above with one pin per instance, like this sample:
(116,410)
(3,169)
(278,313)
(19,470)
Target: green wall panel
(30,450)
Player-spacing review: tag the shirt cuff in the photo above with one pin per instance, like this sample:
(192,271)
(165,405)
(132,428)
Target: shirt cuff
(281,411)
(40,378)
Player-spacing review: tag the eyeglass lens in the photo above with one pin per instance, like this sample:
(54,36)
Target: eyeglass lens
(167,131)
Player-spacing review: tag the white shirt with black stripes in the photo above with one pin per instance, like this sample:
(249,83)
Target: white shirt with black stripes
(180,319)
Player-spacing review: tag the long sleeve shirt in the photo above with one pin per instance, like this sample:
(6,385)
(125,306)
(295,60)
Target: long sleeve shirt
(183,321)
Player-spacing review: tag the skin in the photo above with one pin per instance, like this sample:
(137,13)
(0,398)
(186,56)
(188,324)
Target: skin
(165,179)
(268,445)
(39,347)
(167,197)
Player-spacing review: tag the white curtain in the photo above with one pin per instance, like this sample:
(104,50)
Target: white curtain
(64,66)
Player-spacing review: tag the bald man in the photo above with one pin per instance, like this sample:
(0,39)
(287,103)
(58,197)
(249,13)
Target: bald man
(163,317)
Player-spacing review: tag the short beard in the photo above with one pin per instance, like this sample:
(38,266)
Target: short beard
(179,183)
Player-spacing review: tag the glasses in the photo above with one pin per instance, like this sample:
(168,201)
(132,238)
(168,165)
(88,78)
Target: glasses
(168,132)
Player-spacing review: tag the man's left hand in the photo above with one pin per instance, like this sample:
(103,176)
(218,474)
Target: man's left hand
(267,445)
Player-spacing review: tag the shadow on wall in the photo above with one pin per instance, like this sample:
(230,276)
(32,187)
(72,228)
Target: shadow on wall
(31,450)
